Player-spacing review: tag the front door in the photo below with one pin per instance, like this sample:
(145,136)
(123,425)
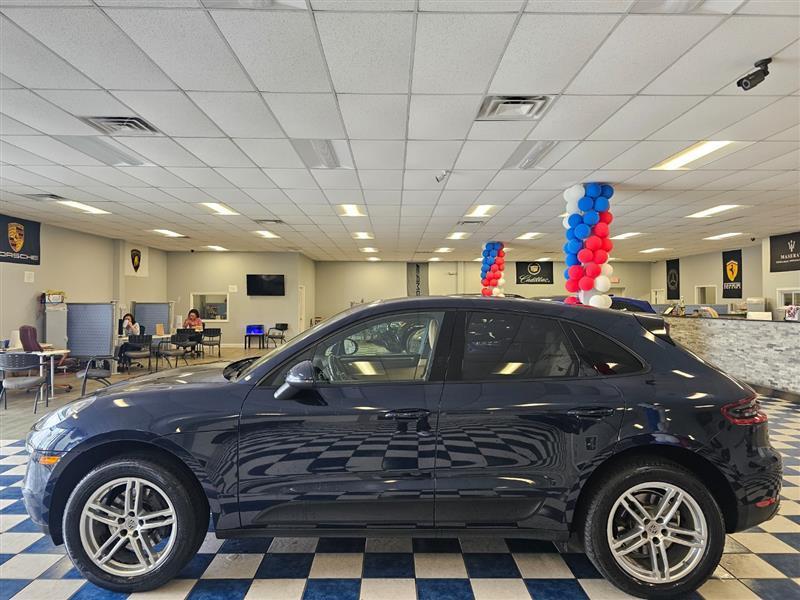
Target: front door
(358,449)
(521,416)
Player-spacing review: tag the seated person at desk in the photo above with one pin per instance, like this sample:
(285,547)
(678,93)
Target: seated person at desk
(193,320)
(129,327)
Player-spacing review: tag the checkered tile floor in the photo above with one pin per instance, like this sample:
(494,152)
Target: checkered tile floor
(763,562)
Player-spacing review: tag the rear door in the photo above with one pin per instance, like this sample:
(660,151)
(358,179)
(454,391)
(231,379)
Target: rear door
(522,416)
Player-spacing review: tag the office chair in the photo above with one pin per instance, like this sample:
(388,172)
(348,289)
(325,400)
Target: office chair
(279,335)
(212,337)
(15,362)
(98,368)
(172,348)
(29,338)
(191,339)
(144,342)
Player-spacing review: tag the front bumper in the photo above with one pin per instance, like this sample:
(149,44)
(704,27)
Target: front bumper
(36,491)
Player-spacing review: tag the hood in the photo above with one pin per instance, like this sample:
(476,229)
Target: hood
(195,374)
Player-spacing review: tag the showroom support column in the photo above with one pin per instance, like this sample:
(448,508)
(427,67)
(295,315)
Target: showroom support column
(118,291)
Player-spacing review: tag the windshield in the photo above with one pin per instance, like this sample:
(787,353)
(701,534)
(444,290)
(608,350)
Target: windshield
(290,345)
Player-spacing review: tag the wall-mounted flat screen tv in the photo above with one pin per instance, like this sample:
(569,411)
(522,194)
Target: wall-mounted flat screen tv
(265,285)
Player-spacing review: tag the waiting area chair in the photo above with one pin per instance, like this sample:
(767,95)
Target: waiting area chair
(277,333)
(173,348)
(29,337)
(212,337)
(144,350)
(192,339)
(18,362)
(98,368)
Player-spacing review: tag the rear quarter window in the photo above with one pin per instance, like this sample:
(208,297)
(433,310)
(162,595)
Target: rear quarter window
(602,354)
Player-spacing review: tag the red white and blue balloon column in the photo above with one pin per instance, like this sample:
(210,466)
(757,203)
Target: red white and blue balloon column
(494,263)
(588,274)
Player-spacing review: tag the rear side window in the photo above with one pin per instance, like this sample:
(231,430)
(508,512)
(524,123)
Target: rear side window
(507,346)
(602,354)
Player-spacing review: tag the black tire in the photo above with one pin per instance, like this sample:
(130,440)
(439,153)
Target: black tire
(602,500)
(191,521)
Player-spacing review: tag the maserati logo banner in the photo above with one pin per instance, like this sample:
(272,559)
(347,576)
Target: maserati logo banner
(732,274)
(19,241)
(673,279)
(784,252)
(534,273)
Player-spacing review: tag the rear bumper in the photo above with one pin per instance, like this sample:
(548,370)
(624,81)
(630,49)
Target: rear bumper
(758,490)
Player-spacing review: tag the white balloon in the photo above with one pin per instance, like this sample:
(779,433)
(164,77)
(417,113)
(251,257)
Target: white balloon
(600,301)
(501,282)
(602,284)
(496,291)
(606,269)
(572,206)
(585,296)
(501,295)
(574,193)
(565,222)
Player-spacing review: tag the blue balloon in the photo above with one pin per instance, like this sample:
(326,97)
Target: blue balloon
(570,233)
(574,246)
(485,253)
(607,190)
(583,231)
(566,247)
(493,253)
(601,204)
(591,218)
(593,189)
(585,203)
(571,260)
(566,273)
(574,219)
(496,245)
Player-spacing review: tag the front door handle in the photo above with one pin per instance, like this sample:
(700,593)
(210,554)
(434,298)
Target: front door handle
(407,414)
(595,412)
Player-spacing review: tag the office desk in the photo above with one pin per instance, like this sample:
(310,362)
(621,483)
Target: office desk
(261,337)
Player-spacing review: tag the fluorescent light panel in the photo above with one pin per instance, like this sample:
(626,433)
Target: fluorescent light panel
(324,154)
(220,209)
(442,250)
(169,233)
(217,248)
(690,154)
(543,259)
(373,259)
(107,152)
(363,235)
(369,250)
(351,210)
(458,235)
(530,235)
(625,236)
(529,153)
(722,236)
(267,234)
(434,259)
(89,210)
(481,210)
(651,250)
(714,210)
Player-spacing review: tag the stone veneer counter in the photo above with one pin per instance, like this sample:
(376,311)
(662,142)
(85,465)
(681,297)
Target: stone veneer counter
(765,353)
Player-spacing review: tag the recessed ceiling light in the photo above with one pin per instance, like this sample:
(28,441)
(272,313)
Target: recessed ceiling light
(324,154)
(220,209)
(441,250)
(288,4)
(529,153)
(107,152)
(368,250)
(217,248)
(434,259)
(625,236)
(169,233)
(712,211)
(267,234)
(722,236)
(363,235)
(479,259)
(351,210)
(543,259)
(651,250)
(458,235)
(373,259)
(562,215)
(690,154)
(679,7)
(530,235)
(89,210)
(481,210)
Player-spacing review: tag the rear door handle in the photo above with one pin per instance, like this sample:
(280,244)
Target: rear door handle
(597,412)
(407,414)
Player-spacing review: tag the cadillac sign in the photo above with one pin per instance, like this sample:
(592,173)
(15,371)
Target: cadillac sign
(534,273)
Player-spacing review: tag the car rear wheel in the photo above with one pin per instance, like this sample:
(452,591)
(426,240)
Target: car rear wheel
(653,529)
(132,524)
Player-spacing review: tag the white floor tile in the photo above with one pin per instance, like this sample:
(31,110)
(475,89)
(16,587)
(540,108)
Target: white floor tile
(439,565)
(388,589)
(27,566)
(233,566)
(276,589)
(341,565)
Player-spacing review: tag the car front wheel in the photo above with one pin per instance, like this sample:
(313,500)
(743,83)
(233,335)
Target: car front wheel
(132,524)
(654,530)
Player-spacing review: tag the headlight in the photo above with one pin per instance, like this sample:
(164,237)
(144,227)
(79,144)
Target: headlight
(52,419)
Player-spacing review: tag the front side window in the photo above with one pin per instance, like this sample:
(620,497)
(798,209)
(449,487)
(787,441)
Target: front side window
(505,346)
(602,354)
(396,348)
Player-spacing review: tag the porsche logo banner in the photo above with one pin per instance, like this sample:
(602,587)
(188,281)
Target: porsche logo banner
(19,241)
(732,274)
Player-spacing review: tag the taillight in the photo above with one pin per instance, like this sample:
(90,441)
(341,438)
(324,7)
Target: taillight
(746,411)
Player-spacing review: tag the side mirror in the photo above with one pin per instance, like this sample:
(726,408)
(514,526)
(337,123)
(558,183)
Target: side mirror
(299,377)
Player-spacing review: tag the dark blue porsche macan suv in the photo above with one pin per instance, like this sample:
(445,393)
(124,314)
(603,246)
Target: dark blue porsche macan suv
(434,416)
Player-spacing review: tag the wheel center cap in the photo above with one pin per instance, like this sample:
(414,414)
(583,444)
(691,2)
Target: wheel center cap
(132,523)
(653,528)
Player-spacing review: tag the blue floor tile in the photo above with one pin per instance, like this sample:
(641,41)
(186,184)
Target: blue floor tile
(788,564)
(245,546)
(196,566)
(45,545)
(90,591)
(9,587)
(581,566)
(9,479)
(436,545)
(219,589)
(491,566)
(16,508)
(63,569)
(444,589)
(389,565)
(11,493)
(524,545)
(333,544)
(285,566)
(332,589)
(773,589)
(555,589)
(5,557)
(26,526)
(793,539)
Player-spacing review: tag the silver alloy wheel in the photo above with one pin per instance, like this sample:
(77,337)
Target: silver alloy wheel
(128,526)
(657,532)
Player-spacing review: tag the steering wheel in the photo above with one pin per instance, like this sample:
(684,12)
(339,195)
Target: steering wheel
(335,369)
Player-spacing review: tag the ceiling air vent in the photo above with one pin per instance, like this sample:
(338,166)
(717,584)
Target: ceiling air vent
(470,223)
(512,108)
(43,197)
(121,125)
(269,222)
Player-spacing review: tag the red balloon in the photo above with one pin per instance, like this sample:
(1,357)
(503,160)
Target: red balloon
(600,257)
(585,255)
(606,217)
(586,283)
(608,245)
(501,253)
(592,269)
(575,272)
(571,285)
(484,282)
(499,260)
(593,243)
(601,230)
(486,291)
(494,267)
(570,300)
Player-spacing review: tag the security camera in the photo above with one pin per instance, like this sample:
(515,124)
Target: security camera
(752,239)
(751,80)
(441,176)
(192,250)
